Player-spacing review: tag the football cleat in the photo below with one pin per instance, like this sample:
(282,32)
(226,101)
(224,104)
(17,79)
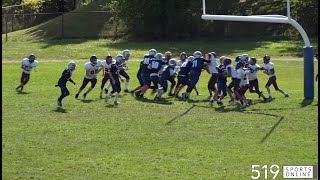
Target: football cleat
(219,103)
(157,98)
(106,98)
(231,102)
(84,96)
(116,103)
(126,91)
(76,96)
(286,95)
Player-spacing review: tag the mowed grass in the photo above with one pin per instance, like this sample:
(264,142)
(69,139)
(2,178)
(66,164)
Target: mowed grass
(146,140)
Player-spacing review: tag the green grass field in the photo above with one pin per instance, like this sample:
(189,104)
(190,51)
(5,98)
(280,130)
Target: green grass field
(142,139)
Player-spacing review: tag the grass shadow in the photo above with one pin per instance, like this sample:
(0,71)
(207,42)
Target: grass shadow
(180,115)
(306,102)
(23,93)
(87,101)
(272,128)
(60,110)
(162,101)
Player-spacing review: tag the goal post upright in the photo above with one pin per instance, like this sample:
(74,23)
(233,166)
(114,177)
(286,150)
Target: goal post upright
(307,49)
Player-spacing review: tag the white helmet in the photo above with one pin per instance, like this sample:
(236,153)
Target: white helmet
(197,54)
(190,58)
(172,62)
(126,53)
(158,56)
(244,57)
(222,58)
(72,65)
(152,52)
(119,58)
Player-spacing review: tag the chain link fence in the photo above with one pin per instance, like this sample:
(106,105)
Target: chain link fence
(98,24)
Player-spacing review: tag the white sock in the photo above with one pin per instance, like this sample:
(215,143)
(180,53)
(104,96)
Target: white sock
(160,93)
(127,84)
(108,87)
(116,97)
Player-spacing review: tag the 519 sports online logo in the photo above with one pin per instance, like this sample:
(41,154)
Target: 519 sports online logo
(288,172)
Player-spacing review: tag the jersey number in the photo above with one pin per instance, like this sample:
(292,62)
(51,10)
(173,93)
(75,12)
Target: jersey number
(154,65)
(194,63)
(94,71)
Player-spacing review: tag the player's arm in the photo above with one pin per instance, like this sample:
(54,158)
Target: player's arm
(88,73)
(229,72)
(72,81)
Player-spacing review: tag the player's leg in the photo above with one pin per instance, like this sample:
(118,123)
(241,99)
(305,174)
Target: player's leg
(255,84)
(64,93)
(93,84)
(270,81)
(23,80)
(103,82)
(275,85)
(214,79)
(84,84)
(117,93)
(194,78)
(229,91)
(127,77)
(173,84)
(162,90)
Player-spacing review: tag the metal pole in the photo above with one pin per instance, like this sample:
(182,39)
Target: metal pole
(288,9)
(11,23)
(23,22)
(204,6)
(6,28)
(62,33)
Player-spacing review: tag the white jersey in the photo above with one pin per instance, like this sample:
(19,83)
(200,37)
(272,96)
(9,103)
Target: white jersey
(27,66)
(106,67)
(234,73)
(93,69)
(243,77)
(180,62)
(213,65)
(253,69)
(268,68)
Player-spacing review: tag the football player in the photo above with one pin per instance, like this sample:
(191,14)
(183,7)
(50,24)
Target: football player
(115,81)
(168,72)
(145,73)
(270,71)
(253,68)
(235,80)
(222,80)
(212,70)
(92,69)
(27,64)
(155,66)
(106,65)
(243,85)
(126,55)
(183,75)
(197,66)
(62,83)
(167,58)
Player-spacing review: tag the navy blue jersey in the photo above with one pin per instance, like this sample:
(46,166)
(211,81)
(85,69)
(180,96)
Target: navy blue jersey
(114,71)
(145,63)
(221,69)
(165,61)
(197,64)
(155,65)
(168,71)
(139,71)
(185,68)
(66,75)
